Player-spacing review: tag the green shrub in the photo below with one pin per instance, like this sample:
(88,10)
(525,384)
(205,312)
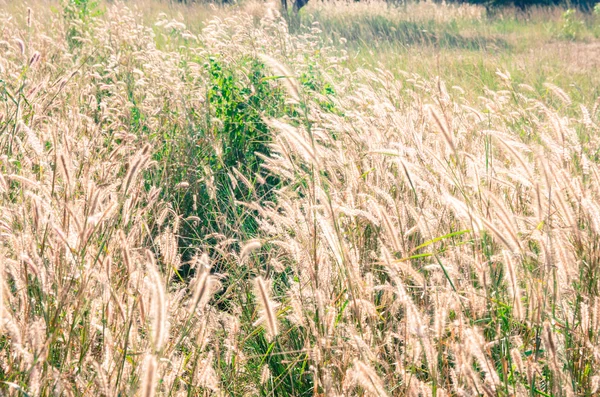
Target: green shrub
(78,14)
(223,144)
(596,20)
(572,26)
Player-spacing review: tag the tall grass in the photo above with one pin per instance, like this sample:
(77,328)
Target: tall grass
(234,211)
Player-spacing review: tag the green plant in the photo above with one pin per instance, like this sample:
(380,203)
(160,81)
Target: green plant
(78,14)
(218,161)
(572,26)
(596,20)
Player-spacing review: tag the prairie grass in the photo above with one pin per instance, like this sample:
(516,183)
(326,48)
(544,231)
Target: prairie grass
(253,206)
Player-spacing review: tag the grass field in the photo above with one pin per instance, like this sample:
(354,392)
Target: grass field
(360,200)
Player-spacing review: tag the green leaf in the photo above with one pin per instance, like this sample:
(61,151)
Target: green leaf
(435,240)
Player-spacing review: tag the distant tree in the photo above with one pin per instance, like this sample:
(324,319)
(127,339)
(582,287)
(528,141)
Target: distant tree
(583,5)
(298,4)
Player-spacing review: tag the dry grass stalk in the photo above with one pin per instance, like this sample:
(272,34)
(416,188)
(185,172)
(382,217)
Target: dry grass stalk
(269,314)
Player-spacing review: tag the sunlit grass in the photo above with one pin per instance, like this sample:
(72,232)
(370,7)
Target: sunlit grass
(363,200)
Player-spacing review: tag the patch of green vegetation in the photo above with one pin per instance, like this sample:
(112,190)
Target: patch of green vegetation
(222,144)
(79,14)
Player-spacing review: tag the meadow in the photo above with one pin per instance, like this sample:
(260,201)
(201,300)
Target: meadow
(364,199)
